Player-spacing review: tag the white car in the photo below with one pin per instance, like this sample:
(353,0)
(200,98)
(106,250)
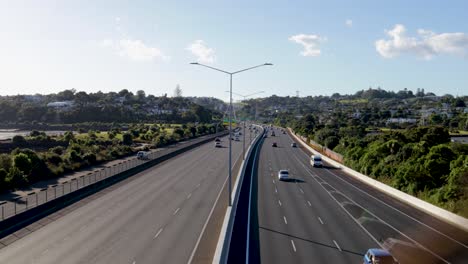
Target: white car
(217,144)
(316,161)
(143,155)
(283,175)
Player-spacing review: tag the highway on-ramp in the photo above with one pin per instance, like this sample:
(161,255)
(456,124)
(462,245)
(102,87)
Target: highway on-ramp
(326,216)
(155,216)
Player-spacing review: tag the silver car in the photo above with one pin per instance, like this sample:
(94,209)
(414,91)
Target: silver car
(283,175)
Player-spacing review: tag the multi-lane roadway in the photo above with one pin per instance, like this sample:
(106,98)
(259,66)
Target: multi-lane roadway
(325,216)
(157,216)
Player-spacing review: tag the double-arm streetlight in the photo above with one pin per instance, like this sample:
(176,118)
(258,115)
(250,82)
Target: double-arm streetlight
(243,141)
(230,113)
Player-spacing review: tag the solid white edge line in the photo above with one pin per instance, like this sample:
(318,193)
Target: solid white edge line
(399,199)
(223,227)
(383,222)
(227,215)
(247,252)
(403,213)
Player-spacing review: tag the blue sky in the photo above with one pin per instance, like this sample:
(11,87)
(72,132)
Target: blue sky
(317,47)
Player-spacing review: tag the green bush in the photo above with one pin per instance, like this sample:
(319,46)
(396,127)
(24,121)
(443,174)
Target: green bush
(23,163)
(127,139)
(18,140)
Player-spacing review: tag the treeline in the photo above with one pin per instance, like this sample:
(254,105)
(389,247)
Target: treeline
(24,166)
(123,106)
(421,161)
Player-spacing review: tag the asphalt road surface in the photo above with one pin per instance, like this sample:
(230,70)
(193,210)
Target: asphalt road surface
(157,217)
(325,216)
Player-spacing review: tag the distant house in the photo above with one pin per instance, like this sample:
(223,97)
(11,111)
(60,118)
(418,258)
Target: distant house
(402,120)
(63,105)
(120,99)
(33,98)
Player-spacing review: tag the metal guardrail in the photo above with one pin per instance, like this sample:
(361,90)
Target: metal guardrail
(33,199)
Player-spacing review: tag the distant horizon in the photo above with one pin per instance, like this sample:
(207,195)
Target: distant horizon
(316,47)
(239,99)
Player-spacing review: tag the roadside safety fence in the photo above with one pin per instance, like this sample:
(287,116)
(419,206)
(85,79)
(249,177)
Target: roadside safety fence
(21,204)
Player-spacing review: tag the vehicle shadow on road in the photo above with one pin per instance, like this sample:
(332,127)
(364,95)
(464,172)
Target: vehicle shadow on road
(330,167)
(295,180)
(310,241)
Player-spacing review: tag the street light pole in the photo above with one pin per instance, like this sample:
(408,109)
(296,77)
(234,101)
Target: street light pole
(230,115)
(230,139)
(243,141)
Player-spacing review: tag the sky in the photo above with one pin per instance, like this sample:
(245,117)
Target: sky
(316,47)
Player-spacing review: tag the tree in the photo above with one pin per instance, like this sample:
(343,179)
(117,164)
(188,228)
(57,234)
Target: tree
(23,163)
(141,95)
(127,139)
(459,102)
(177,91)
(18,140)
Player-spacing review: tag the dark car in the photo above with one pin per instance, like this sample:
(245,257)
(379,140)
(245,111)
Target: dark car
(274,145)
(217,139)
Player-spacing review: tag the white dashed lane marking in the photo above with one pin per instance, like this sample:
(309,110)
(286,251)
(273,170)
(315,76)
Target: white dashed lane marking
(293,246)
(320,219)
(158,233)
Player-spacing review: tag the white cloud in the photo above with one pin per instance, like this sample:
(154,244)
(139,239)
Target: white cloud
(310,44)
(134,50)
(117,20)
(426,44)
(201,51)
(349,23)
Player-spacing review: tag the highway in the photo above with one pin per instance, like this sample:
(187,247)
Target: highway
(324,215)
(156,216)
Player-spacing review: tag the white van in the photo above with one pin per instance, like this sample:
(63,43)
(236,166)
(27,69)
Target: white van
(143,155)
(316,161)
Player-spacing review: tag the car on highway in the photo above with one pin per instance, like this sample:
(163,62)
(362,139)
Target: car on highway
(237,138)
(378,256)
(272,133)
(294,145)
(283,175)
(316,161)
(217,144)
(274,144)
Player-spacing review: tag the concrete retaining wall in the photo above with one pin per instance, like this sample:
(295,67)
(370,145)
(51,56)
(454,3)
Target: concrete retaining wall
(438,212)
